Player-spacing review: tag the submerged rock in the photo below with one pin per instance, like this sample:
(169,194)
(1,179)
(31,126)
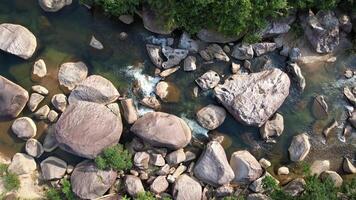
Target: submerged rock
(95,43)
(39,70)
(71,74)
(174,56)
(151,102)
(262,48)
(53,5)
(320,107)
(252,99)
(161,41)
(273,127)
(127,19)
(211,116)
(350,96)
(299,147)
(245,167)
(84,124)
(186,188)
(24,128)
(162,130)
(208,80)
(17,40)
(13,98)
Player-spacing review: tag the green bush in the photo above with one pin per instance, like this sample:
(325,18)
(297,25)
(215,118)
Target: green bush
(53,194)
(3,169)
(114,158)
(65,192)
(11,181)
(145,196)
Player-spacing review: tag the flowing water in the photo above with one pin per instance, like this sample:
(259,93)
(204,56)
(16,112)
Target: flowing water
(64,36)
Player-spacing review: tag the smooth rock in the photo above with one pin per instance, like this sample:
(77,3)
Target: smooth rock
(53,5)
(264,163)
(164,170)
(167,72)
(320,107)
(88,182)
(348,167)
(283,171)
(162,130)
(35,100)
(333,176)
(185,42)
(190,64)
(263,48)
(299,148)
(42,113)
(174,56)
(52,116)
(176,157)
(273,127)
(133,185)
(245,166)
(211,116)
(22,164)
(208,80)
(141,160)
(252,99)
(94,89)
(215,51)
(59,101)
(53,168)
(71,74)
(127,19)
(212,167)
(151,102)
(295,187)
(40,89)
(50,143)
(296,72)
(39,70)
(242,52)
(167,91)
(34,148)
(186,188)
(24,128)
(92,121)
(319,166)
(17,40)
(159,185)
(95,43)
(154,54)
(330,127)
(129,110)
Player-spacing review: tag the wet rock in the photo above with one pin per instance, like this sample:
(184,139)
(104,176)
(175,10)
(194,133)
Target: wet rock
(176,157)
(151,102)
(141,160)
(123,36)
(253,98)
(88,182)
(162,130)
(161,41)
(92,121)
(322,30)
(22,164)
(94,89)
(59,101)
(348,74)
(333,176)
(273,127)
(13,98)
(299,147)
(53,168)
(168,72)
(242,52)
(24,128)
(328,129)
(215,51)
(167,91)
(53,5)
(185,42)
(245,167)
(295,187)
(52,116)
(208,80)
(40,89)
(283,171)
(262,48)
(296,72)
(295,54)
(186,188)
(127,19)
(318,166)
(71,74)
(345,23)
(95,43)
(17,40)
(211,36)
(159,185)
(50,143)
(34,148)
(264,163)
(133,185)
(190,64)
(42,113)
(154,54)
(211,116)
(349,95)
(257,196)
(235,68)
(174,56)
(39,70)
(212,167)
(348,167)
(129,110)
(320,107)
(35,100)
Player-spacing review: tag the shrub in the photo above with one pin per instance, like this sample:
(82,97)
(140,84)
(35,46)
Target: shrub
(114,158)
(3,169)
(11,181)
(65,192)
(145,196)
(53,194)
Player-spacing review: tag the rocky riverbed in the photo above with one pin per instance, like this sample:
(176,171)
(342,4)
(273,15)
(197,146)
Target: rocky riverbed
(203,116)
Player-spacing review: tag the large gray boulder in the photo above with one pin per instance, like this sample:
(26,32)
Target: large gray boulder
(245,167)
(299,147)
(53,168)
(212,167)
(94,89)
(17,40)
(24,128)
(211,116)
(253,98)
(154,54)
(22,164)
(71,74)
(162,130)
(88,182)
(53,5)
(187,188)
(86,128)
(174,56)
(273,127)
(13,98)
(214,36)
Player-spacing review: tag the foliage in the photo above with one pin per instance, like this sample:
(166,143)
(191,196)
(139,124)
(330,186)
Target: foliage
(145,196)
(125,198)
(3,169)
(65,192)
(233,198)
(53,194)
(11,181)
(118,7)
(115,157)
(252,38)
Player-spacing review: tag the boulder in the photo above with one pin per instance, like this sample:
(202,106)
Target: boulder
(333,176)
(212,36)
(127,19)
(215,51)
(273,127)
(176,157)
(50,143)
(253,98)
(167,72)
(295,54)
(263,48)
(159,185)
(53,168)
(92,121)
(52,116)
(264,163)
(299,147)
(161,41)
(242,52)
(235,68)
(22,164)
(348,167)
(157,160)
(319,107)
(283,171)
(212,167)
(40,89)
(185,42)
(71,74)
(295,187)
(129,110)
(17,40)
(88,182)
(319,166)
(34,148)
(208,80)
(24,128)
(141,160)
(190,64)
(296,73)
(39,70)
(133,185)
(35,100)
(245,167)
(276,28)
(13,98)
(187,188)
(53,5)
(350,96)
(59,101)
(95,43)
(94,89)
(167,91)
(174,56)
(151,102)
(211,116)
(154,54)
(42,113)
(162,130)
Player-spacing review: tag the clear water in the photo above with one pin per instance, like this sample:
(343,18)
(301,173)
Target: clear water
(64,36)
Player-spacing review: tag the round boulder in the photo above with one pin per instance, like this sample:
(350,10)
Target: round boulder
(186,187)
(245,166)
(84,124)
(299,148)
(211,116)
(53,5)
(34,148)
(24,128)
(22,164)
(53,168)
(162,130)
(71,74)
